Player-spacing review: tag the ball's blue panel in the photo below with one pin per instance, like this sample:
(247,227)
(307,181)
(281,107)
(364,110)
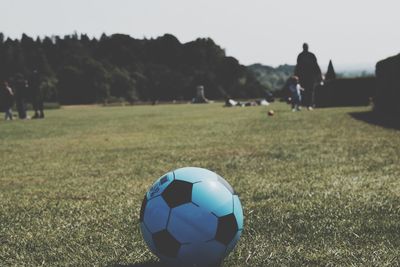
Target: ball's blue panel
(226,184)
(233,243)
(213,196)
(159,186)
(167,261)
(201,254)
(238,211)
(190,223)
(194,174)
(156,214)
(147,237)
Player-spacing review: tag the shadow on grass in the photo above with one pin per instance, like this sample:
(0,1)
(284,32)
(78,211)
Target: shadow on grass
(145,264)
(377,119)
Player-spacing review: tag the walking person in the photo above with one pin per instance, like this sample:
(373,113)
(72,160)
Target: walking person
(309,73)
(7,99)
(295,93)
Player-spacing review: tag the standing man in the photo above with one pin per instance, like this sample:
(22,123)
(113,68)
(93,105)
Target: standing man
(21,95)
(37,96)
(309,74)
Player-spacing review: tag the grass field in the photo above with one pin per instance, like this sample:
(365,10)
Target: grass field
(318,188)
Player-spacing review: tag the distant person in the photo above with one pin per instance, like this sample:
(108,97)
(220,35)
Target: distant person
(309,74)
(37,96)
(7,100)
(295,93)
(21,95)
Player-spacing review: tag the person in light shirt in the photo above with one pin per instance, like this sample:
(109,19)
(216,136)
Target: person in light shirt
(295,93)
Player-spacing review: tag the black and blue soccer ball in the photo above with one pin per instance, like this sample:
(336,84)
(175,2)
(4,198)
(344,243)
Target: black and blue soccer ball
(191,217)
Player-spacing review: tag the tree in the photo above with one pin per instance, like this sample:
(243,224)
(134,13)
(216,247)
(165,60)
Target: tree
(70,86)
(330,74)
(79,70)
(122,85)
(96,81)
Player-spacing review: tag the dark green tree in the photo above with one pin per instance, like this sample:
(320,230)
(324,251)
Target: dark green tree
(330,74)
(122,85)
(76,69)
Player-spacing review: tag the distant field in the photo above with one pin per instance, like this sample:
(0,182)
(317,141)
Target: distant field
(318,188)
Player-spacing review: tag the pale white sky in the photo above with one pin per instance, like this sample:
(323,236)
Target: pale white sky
(352,33)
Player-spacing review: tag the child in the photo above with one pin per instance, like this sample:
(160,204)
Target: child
(295,88)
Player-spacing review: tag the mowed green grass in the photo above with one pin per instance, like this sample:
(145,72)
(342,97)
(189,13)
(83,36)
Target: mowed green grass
(317,188)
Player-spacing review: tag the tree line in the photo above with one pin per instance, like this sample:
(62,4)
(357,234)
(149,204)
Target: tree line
(274,79)
(76,69)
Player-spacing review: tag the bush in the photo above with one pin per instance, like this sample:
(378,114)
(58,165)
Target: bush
(51,105)
(345,92)
(387,92)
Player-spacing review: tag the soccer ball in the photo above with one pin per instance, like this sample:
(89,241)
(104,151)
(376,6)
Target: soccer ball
(271,113)
(191,217)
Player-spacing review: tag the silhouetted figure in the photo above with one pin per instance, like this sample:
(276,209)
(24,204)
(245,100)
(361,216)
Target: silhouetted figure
(21,94)
(330,73)
(309,74)
(37,96)
(7,100)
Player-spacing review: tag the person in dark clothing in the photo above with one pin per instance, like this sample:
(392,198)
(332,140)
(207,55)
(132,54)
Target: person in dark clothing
(7,100)
(21,94)
(309,74)
(37,96)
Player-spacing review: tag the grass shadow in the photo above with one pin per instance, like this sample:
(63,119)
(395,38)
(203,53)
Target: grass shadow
(377,119)
(145,264)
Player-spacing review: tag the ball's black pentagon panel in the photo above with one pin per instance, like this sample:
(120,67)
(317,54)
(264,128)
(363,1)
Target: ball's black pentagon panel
(233,243)
(178,193)
(166,244)
(226,184)
(142,208)
(227,229)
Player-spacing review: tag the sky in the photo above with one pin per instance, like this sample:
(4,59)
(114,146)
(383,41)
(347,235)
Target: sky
(355,34)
